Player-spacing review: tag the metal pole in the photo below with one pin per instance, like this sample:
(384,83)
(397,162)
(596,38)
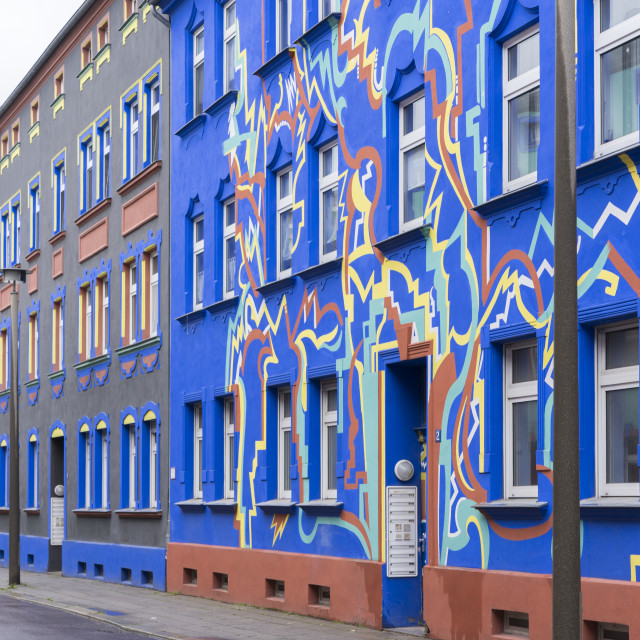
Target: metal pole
(14,469)
(567,602)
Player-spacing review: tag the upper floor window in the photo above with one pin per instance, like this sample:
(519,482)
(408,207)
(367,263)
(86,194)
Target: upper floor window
(57,337)
(6,237)
(84,467)
(58,84)
(154,121)
(198,71)
(285,220)
(5,145)
(128,464)
(4,358)
(85,332)
(34,346)
(104,177)
(59,189)
(86,53)
(87,193)
(35,112)
(15,133)
(617,68)
(328,183)
(198,262)
(32,470)
(521,108)
(103,33)
(134,138)
(327,7)
(197,450)
(283,24)
(329,440)
(229,448)
(521,420)
(617,411)
(284,444)
(229,238)
(102,315)
(412,162)
(101,465)
(229,45)
(153,297)
(34,191)
(130,7)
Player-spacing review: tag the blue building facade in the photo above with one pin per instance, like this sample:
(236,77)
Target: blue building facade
(362,310)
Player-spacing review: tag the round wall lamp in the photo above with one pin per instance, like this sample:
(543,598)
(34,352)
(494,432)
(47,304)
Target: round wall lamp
(403,470)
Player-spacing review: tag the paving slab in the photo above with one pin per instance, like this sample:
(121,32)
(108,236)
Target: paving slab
(178,617)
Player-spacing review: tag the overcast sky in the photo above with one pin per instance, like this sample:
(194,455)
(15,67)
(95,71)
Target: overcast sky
(27,29)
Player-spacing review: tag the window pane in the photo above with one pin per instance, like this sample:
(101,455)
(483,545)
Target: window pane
(328,162)
(622,348)
(155,136)
(199,89)
(230,16)
(286,240)
(199,277)
(414,167)
(199,469)
(525,442)
(332,399)
(524,364)
(231,214)
(286,460)
(332,448)
(329,220)
(231,63)
(285,184)
(286,404)
(622,435)
(199,43)
(613,12)
(414,116)
(620,72)
(524,56)
(231,461)
(199,230)
(284,24)
(231,264)
(524,133)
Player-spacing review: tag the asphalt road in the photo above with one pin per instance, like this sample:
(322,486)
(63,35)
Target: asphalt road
(25,621)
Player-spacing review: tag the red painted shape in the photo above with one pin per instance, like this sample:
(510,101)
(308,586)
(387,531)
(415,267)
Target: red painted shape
(5,297)
(93,240)
(32,282)
(84,379)
(140,209)
(150,359)
(57,267)
(129,366)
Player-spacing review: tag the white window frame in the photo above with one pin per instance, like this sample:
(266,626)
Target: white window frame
(88,308)
(154,298)
(88,176)
(229,448)
(229,231)
(610,380)
(105,469)
(198,249)
(153,466)
(133,300)
(106,160)
(198,60)
(408,142)
(284,432)
(603,43)
(229,34)
(515,393)
(281,43)
(197,450)
(132,466)
(154,111)
(105,314)
(34,478)
(36,217)
(61,197)
(328,419)
(283,204)
(335,8)
(134,138)
(87,470)
(327,183)
(511,89)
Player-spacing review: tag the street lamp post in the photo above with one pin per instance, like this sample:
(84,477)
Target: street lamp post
(14,275)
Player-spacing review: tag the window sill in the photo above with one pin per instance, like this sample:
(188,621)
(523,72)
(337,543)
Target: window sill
(281,286)
(219,106)
(30,257)
(57,237)
(4,511)
(139,178)
(321,507)
(277,506)
(223,307)
(224,505)
(191,316)
(320,29)
(610,508)
(403,239)
(195,504)
(192,125)
(134,347)
(91,362)
(32,511)
(275,64)
(94,211)
(500,206)
(85,70)
(92,513)
(513,509)
(54,375)
(29,384)
(142,514)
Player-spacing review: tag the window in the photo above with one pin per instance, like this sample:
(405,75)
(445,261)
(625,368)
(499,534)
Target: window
(130,7)
(152,428)
(35,112)
(130,465)
(521,420)
(521,108)
(198,71)
(134,140)
(84,467)
(198,262)
(57,342)
(283,24)
(32,471)
(34,240)
(412,162)
(6,236)
(327,7)
(103,33)
(58,84)
(516,623)
(5,145)
(229,213)
(87,175)
(34,346)
(284,444)
(4,472)
(154,121)
(86,53)
(102,315)
(15,214)
(229,46)
(328,183)
(4,355)
(613,631)
(617,66)
(59,186)
(329,440)
(105,169)
(197,450)
(153,293)
(15,133)
(617,411)
(229,448)
(285,221)
(133,301)
(85,334)
(101,465)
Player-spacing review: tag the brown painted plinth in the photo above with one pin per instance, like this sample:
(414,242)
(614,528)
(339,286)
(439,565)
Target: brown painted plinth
(356,585)
(468,603)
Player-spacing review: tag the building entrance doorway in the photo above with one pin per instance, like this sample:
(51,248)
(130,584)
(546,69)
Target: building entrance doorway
(56,498)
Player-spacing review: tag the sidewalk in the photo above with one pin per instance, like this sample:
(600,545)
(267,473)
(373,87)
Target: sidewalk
(178,617)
